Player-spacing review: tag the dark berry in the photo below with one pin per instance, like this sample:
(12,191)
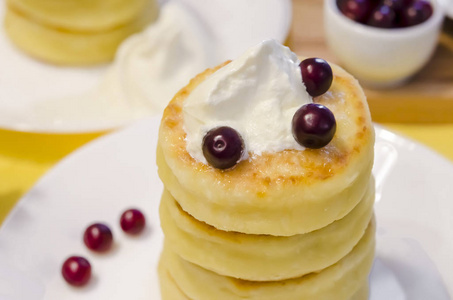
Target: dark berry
(357,10)
(132,221)
(383,17)
(317,76)
(396,5)
(418,12)
(223,147)
(76,270)
(313,126)
(98,237)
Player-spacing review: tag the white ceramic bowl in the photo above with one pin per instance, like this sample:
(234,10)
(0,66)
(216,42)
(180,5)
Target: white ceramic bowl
(381,57)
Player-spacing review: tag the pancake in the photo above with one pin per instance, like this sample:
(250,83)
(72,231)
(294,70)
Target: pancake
(65,47)
(340,281)
(363,293)
(262,257)
(81,15)
(171,291)
(285,193)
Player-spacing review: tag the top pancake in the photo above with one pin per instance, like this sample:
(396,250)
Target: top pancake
(284,193)
(88,16)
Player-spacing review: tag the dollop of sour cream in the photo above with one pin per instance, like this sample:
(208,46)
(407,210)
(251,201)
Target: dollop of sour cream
(149,69)
(257,94)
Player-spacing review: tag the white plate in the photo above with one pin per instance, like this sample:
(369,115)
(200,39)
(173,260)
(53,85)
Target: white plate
(24,82)
(414,212)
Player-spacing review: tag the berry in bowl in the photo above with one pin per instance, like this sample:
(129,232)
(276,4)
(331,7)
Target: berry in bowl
(387,13)
(383,42)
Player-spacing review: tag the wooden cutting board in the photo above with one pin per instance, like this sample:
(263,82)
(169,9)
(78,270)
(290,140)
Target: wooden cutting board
(427,98)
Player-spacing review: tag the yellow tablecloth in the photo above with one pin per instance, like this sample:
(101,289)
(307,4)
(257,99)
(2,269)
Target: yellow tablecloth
(25,157)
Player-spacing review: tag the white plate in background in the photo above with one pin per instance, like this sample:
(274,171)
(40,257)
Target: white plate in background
(414,214)
(24,82)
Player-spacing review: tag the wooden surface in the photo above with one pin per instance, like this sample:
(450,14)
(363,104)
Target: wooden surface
(427,98)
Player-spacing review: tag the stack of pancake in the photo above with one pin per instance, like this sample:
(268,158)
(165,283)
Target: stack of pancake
(75,32)
(287,225)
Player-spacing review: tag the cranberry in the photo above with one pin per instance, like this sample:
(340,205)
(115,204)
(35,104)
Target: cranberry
(223,147)
(383,17)
(132,221)
(418,12)
(76,270)
(396,5)
(357,10)
(313,126)
(316,75)
(98,237)
(387,13)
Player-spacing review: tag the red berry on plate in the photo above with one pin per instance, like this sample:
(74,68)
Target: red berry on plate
(317,76)
(98,237)
(76,270)
(222,147)
(132,221)
(313,126)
